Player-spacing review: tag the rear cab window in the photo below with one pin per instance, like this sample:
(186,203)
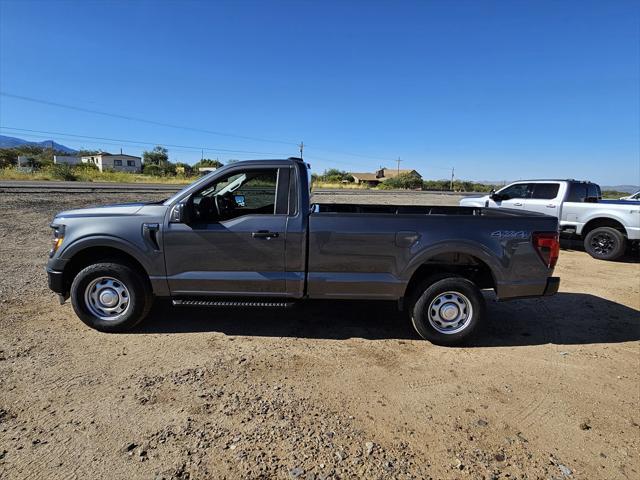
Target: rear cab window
(581,191)
(545,191)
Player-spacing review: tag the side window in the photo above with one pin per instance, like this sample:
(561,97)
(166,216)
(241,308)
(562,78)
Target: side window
(517,190)
(577,192)
(258,194)
(546,191)
(249,192)
(131,163)
(594,191)
(117,163)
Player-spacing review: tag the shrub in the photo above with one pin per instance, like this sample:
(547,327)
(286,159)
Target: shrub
(404,181)
(153,170)
(62,172)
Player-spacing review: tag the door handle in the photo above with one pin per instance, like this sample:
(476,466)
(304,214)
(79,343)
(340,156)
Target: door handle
(551,205)
(517,204)
(265,234)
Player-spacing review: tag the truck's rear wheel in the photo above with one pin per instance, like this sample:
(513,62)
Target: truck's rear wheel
(605,243)
(110,297)
(446,311)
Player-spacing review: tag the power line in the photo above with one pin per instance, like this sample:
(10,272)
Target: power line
(182,127)
(137,142)
(142,120)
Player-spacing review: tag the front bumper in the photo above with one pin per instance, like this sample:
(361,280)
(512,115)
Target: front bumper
(56,281)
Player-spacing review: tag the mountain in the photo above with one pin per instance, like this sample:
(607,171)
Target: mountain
(622,188)
(12,142)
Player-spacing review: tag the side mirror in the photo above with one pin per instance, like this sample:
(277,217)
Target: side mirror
(179,213)
(496,197)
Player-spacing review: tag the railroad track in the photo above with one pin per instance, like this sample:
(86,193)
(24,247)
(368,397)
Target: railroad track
(19,186)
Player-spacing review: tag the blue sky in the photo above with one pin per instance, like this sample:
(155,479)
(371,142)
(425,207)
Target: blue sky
(499,90)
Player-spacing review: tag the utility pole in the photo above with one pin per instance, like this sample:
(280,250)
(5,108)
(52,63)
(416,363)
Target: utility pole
(301,147)
(452,172)
(398,161)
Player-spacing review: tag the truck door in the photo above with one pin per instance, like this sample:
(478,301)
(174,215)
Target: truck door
(233,244)
(544,198)
(512,196)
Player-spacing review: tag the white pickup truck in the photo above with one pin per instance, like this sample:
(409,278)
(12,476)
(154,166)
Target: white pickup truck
(606,226)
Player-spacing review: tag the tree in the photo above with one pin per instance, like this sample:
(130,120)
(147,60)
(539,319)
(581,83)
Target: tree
(333,175)
(157,162)
(410,181)
(184,168)
(158,156)
(207,163)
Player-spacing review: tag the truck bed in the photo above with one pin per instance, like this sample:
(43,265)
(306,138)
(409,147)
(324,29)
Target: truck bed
(372,251)
(420,210)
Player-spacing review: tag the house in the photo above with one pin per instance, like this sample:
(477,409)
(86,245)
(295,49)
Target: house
(365,178)
(382,174)
(66,160)
(118,162)
(385,173)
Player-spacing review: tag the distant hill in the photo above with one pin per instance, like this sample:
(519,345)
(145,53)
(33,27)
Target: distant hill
(12,142)
(622,188)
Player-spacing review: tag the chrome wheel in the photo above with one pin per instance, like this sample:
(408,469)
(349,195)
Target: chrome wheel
(603,243)
(450,312)
(107,298)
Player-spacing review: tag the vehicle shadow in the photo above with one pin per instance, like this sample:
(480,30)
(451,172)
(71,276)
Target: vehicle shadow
(632,254)
(566,318)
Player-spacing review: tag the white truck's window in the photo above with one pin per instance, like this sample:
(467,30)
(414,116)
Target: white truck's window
(546,191)
(517,190)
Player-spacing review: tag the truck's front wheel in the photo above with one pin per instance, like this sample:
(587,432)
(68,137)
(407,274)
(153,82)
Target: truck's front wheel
(445,311)
(110,297)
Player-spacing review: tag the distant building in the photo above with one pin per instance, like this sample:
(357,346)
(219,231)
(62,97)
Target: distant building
(373,179)
(205,170)
(365,178)
(118,162)
(25,164)
(66,160)
(386,173)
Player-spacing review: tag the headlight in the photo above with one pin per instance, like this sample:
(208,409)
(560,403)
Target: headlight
(58,237)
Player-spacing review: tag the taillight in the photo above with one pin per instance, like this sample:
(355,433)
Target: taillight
(548,247)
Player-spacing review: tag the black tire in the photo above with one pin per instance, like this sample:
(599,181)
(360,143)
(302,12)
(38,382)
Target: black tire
(117,282)
(605,243)
(464,294)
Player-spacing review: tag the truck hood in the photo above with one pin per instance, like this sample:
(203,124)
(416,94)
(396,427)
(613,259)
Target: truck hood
(117,210)
(473,200)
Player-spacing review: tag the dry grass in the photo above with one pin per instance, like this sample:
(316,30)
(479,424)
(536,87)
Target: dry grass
(85,175)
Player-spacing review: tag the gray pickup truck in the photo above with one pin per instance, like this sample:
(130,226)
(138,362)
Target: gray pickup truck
(247,235)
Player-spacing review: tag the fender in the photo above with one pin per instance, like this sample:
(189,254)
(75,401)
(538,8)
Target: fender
(82,243)
(477,250)
(601,216)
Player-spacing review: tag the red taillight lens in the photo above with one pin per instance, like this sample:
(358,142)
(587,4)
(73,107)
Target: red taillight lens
(548,247)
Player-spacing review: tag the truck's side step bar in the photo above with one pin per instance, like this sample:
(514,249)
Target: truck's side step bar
(231,303)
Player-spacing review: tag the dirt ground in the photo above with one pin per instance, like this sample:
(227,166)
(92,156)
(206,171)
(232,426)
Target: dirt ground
(549,389)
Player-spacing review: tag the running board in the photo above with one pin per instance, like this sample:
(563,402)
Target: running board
(231,303)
